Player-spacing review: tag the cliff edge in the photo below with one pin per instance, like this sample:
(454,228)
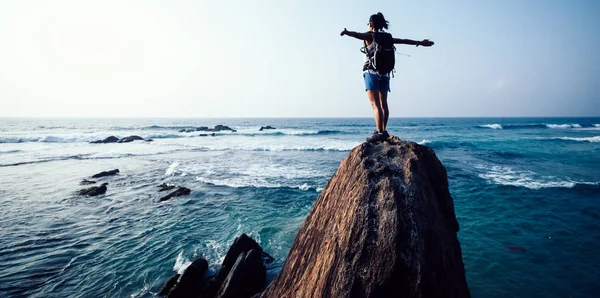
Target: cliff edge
(383,226)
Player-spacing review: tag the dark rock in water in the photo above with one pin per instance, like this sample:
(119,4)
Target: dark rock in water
(266,127)
(202,128)
(94,190)
(246,278)
(130,139)
(221,127)
(213,134)
(241,244)
(106,173)
(164,187)
(203,135)
(182,191)
(169,285)
(111,139)
(267,258)
(396,236)
(149,140)
(191,281)
(87,182)
(211,288)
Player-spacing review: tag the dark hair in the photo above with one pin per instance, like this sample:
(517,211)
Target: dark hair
(378,21)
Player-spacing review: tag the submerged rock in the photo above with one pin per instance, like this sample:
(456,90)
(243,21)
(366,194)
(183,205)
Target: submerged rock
(182,191)
(86,182)
(94,190)
(106,173)
(383,226)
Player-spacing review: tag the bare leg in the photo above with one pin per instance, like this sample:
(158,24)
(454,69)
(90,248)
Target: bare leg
(384,107)
(378,111)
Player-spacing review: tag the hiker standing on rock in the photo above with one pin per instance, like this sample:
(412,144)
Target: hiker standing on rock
(380,57)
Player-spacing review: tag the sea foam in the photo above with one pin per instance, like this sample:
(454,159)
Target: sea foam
(595,139)
(563,125)
(492,126)
(507,176)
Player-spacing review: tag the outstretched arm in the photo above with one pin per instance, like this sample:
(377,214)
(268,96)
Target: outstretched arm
(362,36)
(424,42)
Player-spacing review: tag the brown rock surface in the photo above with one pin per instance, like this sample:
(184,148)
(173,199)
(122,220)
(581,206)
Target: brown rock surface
(384,226)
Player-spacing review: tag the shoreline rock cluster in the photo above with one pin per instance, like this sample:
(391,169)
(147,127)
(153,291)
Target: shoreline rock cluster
(99,190)
(209,132)
(113,139)
(243,273)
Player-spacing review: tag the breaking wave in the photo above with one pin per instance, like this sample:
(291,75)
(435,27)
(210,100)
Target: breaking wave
(503,175)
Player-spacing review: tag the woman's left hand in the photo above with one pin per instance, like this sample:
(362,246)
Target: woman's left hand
(344,32)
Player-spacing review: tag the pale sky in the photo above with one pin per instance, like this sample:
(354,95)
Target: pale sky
(286,58)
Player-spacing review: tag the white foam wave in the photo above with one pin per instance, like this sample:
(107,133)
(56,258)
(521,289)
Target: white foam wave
(563,125)
(171,169)
(528,179)
(595,139)
(492,126)
(181,263)
(423,142)
(597,125)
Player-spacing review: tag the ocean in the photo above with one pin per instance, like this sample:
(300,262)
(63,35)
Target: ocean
(526,193)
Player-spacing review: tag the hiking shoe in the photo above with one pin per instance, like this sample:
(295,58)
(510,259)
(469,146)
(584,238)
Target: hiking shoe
(386,135)
(376,137)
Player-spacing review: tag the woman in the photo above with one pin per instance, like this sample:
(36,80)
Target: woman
(377,85)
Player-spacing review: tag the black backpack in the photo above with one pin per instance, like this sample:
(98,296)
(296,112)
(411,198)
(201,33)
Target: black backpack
(383,57)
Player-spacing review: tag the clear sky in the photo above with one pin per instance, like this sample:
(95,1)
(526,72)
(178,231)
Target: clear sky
(286,58)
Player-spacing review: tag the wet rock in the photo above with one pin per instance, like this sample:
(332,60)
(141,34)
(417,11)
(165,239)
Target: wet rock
(94,190)
(130,139)
(266,127)
(191,281)
(182,191)
(211,288)
(106,173)
(396,236)
(149,140)
(202,128)
(165,187)
(241,244)
(222,127)
(203,135)
(86,182)
(111,139)
(169,285)
(246,278)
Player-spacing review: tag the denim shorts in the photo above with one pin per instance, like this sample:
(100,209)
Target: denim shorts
(376,82)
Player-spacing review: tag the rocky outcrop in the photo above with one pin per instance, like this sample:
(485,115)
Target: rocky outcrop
(189,283)
(384,226)
(218,127)
(130,139)
(165,187)
(94,190)
(111,139)
(242,274)
(106,173)
(181,191)
(266,127)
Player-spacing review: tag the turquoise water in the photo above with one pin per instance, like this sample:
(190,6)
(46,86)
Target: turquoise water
(526,193)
